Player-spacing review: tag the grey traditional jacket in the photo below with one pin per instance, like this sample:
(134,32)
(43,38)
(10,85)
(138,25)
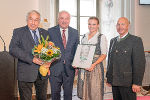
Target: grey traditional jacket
(126,61)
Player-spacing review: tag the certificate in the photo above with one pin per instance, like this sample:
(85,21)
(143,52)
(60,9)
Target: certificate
(84,56)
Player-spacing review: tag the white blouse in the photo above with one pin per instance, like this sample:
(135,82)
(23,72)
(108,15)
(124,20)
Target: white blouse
(93,40)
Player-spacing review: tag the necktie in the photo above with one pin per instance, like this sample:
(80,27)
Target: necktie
(35,38)
(64,38)
(64,43)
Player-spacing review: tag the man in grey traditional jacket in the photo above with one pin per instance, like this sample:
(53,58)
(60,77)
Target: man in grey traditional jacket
(126,63)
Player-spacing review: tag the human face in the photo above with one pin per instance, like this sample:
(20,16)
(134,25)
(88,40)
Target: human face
(93,25)
(64,20)
(122,26)
(33,21)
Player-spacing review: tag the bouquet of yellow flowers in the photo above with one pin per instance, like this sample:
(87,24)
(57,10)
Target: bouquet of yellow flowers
(47,52)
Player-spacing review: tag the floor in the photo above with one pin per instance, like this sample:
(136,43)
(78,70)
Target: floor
(107,94)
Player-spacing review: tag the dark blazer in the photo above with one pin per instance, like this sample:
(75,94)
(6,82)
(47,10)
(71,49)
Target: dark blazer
(66,55)
(21,47)
(126,61)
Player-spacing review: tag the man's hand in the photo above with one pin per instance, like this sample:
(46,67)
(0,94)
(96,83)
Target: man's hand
(37,61)
(136,88)
(108,84)
(47,64)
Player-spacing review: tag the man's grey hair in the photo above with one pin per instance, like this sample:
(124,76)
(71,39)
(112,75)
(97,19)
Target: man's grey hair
(65,12)
(32,11)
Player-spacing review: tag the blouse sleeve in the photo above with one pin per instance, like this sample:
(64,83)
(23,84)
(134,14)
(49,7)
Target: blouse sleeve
(103,44)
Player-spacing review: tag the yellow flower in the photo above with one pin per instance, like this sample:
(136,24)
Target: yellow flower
(50,52)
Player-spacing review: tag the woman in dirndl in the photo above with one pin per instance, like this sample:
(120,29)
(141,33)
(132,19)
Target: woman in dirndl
(90,84)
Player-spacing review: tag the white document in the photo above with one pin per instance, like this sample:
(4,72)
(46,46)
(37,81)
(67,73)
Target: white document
(84,56)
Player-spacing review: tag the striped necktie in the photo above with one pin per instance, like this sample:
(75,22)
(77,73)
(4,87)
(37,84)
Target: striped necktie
(35,38)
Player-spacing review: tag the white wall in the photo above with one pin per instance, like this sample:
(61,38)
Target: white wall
(13,15)
(142,23)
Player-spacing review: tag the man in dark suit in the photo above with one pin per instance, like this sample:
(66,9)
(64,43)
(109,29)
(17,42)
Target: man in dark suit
(21,45)
(126,63)
(61,71)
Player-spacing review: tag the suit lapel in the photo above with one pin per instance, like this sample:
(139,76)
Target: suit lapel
(60,38)
(40,32)
(69,37)
(29,36)
(58,33)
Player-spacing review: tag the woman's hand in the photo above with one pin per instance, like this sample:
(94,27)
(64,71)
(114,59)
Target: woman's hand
(76,72)
(91,68)
(74,66)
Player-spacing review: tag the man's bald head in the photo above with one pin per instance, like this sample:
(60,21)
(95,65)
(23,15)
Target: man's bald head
(122,26)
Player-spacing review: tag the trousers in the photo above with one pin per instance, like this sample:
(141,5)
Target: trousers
(25,89)
(123,93)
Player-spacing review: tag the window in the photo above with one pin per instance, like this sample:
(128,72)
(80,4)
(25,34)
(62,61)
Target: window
(80,11)
(108,11)
(87,9)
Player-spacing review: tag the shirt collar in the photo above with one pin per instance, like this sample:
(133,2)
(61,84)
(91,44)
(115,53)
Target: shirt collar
(123,36)
(63,29)
(37,33)
(34,30)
